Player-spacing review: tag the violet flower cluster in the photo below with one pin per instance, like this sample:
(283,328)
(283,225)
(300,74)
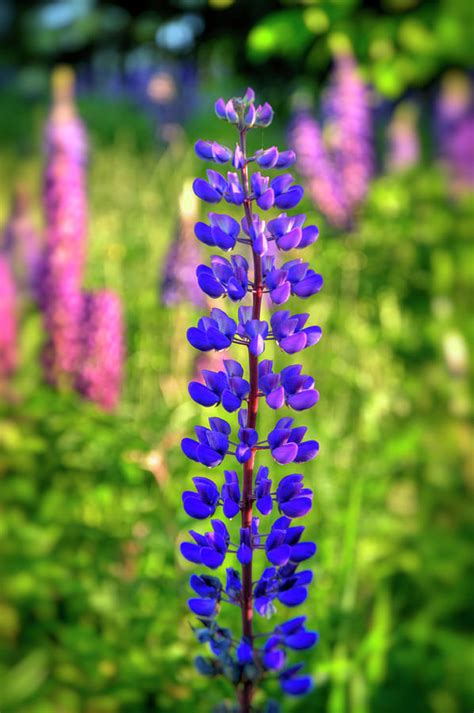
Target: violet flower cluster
(65,205)
(8,320)
(337,170)
(102,350)
(241,386)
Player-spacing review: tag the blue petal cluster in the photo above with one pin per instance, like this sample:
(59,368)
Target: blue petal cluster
(245,660)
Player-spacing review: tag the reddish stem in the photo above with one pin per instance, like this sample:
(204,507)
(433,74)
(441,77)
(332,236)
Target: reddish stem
(246,693)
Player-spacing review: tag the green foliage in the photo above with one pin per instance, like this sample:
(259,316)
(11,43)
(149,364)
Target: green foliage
(92,606)
(401,45)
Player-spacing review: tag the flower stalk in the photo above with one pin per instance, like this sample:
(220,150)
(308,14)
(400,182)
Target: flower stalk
(247,661)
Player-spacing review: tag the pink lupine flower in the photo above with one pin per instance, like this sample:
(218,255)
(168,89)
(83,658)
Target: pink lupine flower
(65,206)
(8,322)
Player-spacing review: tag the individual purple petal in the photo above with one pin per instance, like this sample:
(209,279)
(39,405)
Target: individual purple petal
(244,552)
(302,551)
(211,558)
(293,597)
(297,686)
(202,607)
(285,159)
(189,448)
(206,585)
(296,507)
(230,112)
(250,116)
(294,343)
(307,451)
(303,399)
(249,95)
(290,198)
(191,552)
(274,660)
(264,115)
(202,394)
(219,107)
(285,453)
(267,158)
(194,507)
(309,236)
(302,640)
(205,192)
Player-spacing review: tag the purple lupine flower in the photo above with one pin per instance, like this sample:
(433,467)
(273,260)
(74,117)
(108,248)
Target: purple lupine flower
(8,320)
(403,138)
(65,208)
(243,658)
(337,170)
(100,369)
(349,123)
(455,129)
(22,242)
(179,283)
(316,166)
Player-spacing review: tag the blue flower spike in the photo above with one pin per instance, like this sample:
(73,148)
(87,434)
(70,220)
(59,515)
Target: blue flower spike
(239,501)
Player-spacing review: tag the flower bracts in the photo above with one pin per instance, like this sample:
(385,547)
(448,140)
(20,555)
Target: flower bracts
(242,385)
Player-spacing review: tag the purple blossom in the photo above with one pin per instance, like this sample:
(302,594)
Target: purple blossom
(316,166)
(8,320)
(226,387)
(337,171)
(242,658)
(62,264)
(214,332)
(222,232)
(100,369)
(349,122)
(290,387)
(224,277)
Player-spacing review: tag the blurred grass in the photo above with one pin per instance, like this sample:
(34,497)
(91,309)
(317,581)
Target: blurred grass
(92,606)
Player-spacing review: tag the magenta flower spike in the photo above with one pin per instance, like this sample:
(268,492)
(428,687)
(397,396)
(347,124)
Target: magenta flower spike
(102,350)
(241,384)
(65,208)
(8,320)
